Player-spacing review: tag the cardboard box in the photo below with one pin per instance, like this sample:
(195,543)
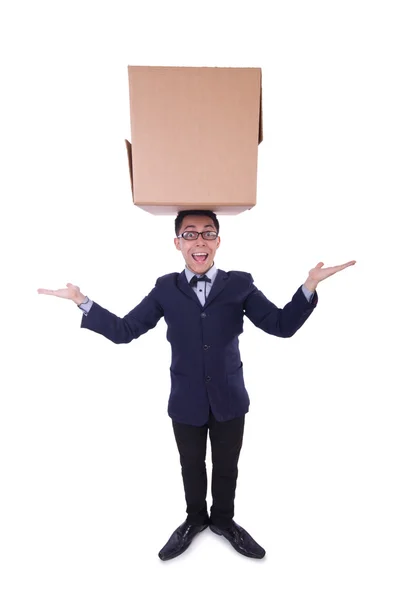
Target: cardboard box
(194,138)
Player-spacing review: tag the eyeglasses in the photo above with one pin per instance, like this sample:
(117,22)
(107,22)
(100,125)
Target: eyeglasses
(193,235)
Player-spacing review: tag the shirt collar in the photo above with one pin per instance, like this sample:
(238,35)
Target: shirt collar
(211,273)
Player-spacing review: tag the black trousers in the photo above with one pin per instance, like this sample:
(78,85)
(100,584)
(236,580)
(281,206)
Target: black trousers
(226,441)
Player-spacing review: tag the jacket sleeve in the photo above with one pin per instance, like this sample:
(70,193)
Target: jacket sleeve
(123,330)
(281,322)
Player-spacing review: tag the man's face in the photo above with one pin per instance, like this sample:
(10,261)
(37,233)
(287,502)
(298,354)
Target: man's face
(198,254)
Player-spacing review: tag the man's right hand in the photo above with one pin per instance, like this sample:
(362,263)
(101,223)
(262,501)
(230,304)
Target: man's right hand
(71,292)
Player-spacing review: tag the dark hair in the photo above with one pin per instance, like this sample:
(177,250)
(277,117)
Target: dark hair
(204,213)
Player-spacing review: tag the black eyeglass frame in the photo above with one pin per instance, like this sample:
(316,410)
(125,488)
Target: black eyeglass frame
(193,239)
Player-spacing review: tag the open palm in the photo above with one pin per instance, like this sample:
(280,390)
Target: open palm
(317,274)
(71,292)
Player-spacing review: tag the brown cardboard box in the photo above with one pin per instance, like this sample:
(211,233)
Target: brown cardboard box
(194,138)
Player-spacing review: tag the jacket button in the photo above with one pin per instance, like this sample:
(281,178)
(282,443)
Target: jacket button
(205,347)
(208,378)
(203,315)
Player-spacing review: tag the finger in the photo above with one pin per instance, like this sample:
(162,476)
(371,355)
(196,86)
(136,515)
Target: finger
(348,264)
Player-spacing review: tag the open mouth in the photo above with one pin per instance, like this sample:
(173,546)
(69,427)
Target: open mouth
(200,257)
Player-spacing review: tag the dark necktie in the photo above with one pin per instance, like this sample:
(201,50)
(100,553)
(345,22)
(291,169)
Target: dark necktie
(194,280)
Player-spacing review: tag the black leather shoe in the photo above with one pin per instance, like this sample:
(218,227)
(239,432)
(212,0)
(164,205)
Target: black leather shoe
(180,540)
(240,540)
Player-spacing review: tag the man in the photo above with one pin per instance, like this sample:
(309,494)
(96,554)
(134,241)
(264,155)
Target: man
(204,309)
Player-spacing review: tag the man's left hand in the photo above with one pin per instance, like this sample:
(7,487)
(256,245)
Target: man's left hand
(317,274)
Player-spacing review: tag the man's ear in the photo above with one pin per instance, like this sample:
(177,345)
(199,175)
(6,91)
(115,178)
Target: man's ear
(218,239)
(177,244)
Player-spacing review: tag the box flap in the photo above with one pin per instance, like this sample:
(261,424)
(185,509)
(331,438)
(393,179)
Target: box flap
(260,138)
(129,154)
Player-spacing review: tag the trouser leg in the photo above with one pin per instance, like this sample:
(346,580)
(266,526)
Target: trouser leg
(192,446)
(226,442)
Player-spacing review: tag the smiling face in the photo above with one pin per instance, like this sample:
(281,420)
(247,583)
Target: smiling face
(199,254)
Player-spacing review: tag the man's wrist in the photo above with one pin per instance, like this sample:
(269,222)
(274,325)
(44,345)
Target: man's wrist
(310,284)
(81,298)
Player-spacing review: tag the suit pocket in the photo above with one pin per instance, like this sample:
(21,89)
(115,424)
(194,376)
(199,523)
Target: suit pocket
(236,379)
(236,387)
(180,384)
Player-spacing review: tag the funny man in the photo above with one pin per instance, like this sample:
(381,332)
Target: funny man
(204,309)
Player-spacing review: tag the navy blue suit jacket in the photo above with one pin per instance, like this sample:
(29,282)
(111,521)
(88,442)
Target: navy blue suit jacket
(206,369)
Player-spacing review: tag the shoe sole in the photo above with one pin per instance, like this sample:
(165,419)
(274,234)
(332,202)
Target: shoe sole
(219,532)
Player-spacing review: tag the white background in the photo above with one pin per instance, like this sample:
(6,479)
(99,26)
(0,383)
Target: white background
(89,471)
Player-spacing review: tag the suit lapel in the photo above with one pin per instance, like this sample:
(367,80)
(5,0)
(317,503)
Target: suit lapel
(186,289)
(217,287)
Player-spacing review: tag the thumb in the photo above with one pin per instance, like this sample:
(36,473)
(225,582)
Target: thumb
(320,264)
